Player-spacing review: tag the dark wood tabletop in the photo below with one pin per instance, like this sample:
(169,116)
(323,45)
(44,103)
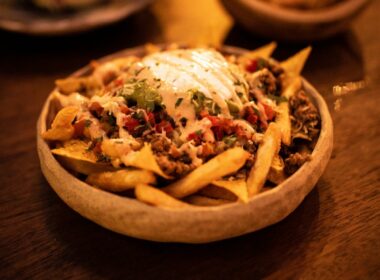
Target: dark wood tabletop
(333,234)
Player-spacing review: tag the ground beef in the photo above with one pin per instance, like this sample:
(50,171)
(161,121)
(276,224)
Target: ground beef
(295,161)
(304,116)
(169,158)
(278,73)
(269,82)
(305,130)
(160,144)
(174,167)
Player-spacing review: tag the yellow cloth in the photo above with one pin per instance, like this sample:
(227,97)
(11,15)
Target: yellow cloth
(194,22)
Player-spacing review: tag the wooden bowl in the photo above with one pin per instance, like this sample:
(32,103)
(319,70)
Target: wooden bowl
(199,225)
(283,23)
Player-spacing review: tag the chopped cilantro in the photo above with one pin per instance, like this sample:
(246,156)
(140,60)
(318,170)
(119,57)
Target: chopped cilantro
(111,120)
(87,123)
(178,102)
(261,63)
(230,140)
(201,102)
(233,107)
(198,132)
(278,99)
(103,158)
(139,116)
(144,95)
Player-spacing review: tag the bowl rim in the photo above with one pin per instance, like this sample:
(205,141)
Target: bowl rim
(332,13)
(300,183)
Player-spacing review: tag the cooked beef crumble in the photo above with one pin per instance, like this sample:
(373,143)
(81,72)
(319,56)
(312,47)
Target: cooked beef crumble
(304,116)
(305,128)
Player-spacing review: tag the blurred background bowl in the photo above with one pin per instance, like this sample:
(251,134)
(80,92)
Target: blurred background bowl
(23,17)
(291,24)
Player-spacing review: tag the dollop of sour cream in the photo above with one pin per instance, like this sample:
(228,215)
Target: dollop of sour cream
(205,70)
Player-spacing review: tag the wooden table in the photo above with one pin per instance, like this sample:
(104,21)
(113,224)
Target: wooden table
(334,234)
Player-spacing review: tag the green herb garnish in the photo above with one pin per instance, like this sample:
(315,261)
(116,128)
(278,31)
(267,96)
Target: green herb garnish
(201,102)
(278,99)
(144,95)
(198,132)
(178,102)
(87,123)
(229,140)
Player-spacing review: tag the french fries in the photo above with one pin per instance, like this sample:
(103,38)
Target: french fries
(215,169)
(61,128)
(268,149)
(75,156)
(283,115)
(156,197)
(276,173)
(121,180)
(130,112)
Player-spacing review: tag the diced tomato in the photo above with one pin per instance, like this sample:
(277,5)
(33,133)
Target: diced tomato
(239,131)
(214,120)
(130,124)
(196,137)
(151,119)
(96,109)
(118,82)
(98,147)
(269,112)
(251,66)
(79,128)
(124,109)
(204,114)
(164,126)
(218,132)
(251,116)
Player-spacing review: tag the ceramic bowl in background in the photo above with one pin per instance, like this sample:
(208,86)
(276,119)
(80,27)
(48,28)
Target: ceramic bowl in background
(291,24)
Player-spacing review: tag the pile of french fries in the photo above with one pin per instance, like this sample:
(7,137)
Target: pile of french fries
(203,186)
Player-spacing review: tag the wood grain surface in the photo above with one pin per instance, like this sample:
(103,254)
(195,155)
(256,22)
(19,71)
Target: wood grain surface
(334,234)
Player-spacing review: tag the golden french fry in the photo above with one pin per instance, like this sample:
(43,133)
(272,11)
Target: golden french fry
(267,150)
(62,128)
(276,173)
(262,52)
(144,159)
(223,164)
(294,64)
(75,156)
(237,187)
(283,114)
(201,200)
(121,180)
(156,197)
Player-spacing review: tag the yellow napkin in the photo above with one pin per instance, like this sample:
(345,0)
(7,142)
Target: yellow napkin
(194,22)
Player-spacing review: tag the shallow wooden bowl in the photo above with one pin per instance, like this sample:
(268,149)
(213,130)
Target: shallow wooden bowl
(283,23)
(199,225)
